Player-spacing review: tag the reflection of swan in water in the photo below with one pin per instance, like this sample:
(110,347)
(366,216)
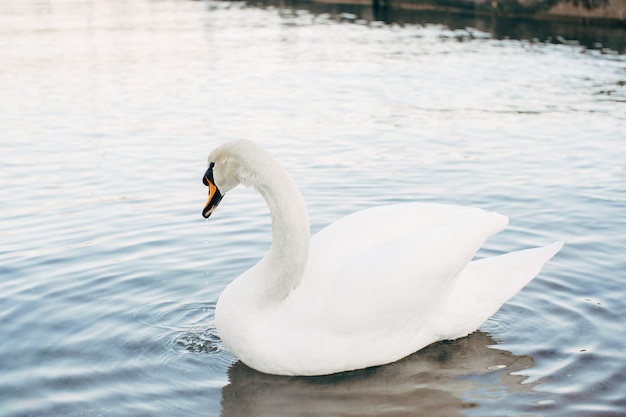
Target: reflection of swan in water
(439,380)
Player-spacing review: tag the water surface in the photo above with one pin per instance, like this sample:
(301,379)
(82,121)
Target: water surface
(109,276)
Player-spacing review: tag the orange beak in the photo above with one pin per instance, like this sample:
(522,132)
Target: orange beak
(214,194)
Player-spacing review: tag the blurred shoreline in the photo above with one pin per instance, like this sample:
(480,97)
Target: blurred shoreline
(589,12)
(605,36)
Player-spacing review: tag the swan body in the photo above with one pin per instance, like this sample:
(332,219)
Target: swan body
(367,290)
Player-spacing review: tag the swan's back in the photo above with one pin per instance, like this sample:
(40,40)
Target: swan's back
(377,225)
(368,232)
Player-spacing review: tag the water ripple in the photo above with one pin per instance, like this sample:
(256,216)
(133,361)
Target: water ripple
(188,328)
(109,276)
(196,341)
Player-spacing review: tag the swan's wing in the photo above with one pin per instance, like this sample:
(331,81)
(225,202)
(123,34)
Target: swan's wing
(373,300)
(402,281)
(372,228)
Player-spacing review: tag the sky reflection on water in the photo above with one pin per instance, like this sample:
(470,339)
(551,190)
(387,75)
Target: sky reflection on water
(109,274)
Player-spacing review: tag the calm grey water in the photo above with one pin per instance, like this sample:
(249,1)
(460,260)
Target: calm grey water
(109,275)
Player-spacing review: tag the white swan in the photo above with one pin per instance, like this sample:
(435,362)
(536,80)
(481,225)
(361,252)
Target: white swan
(367,290)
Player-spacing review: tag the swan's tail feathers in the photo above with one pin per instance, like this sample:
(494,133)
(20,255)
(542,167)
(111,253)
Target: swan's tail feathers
(499,278)
(485,285)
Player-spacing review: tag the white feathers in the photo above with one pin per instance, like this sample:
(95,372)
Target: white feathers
(370,288)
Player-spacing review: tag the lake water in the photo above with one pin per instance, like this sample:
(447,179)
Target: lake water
(109,275)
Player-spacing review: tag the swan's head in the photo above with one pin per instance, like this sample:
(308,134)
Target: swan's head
(225,172)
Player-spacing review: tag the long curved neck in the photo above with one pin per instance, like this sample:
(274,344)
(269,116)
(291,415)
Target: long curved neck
(283,266)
